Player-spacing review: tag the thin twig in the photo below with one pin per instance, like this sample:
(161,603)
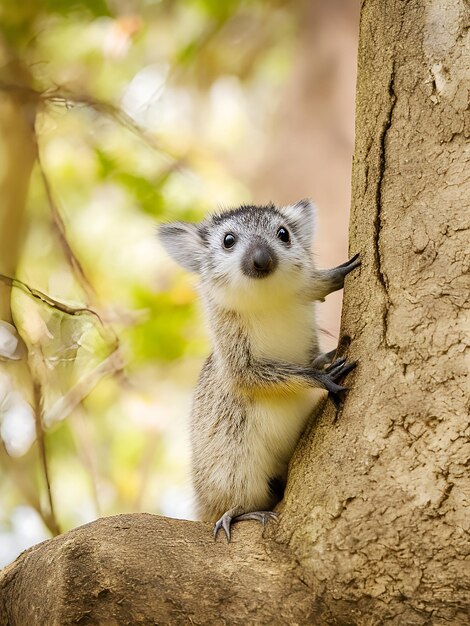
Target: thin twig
(70,256)
(113,364)
(18,471)
(59,227)
(39,295)
(64,97)
(53,524)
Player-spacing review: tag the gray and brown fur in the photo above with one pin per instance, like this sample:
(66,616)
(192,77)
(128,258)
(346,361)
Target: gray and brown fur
(263,378)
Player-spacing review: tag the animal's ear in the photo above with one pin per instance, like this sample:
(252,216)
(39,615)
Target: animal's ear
(183,241)
(301,218)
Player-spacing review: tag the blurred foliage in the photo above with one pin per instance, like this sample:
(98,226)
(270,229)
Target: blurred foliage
(146,111)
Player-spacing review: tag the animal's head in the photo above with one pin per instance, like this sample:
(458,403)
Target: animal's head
(247,255)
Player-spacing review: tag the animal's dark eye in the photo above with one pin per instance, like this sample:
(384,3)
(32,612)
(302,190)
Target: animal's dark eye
(229,240)
(283,234)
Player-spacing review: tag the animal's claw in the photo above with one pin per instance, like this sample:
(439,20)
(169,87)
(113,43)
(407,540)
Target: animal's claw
(333,373)
(228,519)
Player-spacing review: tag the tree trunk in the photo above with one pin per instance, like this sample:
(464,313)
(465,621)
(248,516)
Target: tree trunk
(374,528)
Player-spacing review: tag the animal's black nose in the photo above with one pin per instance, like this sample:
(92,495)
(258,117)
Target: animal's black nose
(259,260)
(262,260)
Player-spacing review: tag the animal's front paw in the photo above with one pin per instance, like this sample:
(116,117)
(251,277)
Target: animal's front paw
(330,376)
(338,274)
(333,373)
(323,360)
(348,266)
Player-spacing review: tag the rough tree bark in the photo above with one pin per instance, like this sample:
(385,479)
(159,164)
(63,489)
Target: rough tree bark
(374,527)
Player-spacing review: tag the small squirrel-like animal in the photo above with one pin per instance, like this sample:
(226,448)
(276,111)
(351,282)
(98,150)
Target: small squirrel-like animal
(257,389)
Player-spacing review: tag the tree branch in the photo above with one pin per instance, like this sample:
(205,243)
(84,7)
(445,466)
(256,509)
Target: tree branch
(49,517)
(65,97)
(59,228)
(39,295)
(188,579)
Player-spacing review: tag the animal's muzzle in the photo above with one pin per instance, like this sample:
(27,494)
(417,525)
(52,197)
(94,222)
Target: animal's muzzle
(259,261)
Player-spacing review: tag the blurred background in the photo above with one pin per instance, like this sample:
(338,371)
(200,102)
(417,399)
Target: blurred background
(116,115)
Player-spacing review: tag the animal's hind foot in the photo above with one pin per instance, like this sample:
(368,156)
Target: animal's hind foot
(232,516)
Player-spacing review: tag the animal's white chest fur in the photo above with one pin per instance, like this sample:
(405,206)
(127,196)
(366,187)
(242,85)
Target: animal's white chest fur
(276,424)
(284,333)
(276,421)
